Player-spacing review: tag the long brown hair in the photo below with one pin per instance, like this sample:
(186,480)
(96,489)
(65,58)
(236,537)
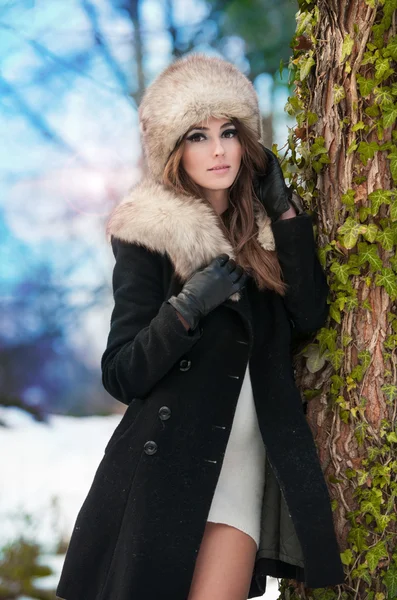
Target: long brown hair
(238,221)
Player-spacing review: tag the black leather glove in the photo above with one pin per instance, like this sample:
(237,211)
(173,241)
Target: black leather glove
(272,190)
(208,288)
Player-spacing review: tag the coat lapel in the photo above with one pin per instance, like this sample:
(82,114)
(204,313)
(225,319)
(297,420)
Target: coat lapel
(182,227)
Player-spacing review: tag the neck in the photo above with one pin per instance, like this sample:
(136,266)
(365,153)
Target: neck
(218,199)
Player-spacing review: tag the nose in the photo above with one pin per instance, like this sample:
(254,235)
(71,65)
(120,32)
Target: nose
(218,150)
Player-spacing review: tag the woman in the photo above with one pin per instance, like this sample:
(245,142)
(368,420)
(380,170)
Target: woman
(211,481)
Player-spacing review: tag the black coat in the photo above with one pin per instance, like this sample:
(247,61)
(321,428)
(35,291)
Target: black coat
(139,530)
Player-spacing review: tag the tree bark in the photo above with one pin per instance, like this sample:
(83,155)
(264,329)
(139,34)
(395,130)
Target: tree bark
(348,371)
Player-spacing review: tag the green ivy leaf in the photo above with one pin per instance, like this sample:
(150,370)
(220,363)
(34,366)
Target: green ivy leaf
(390,391)
(393,211)
(363,213)
(392,437)
(293,105)
(370,58)
(350,230)
(337,383)
(369,254)
(366,305)
(378,34)
(334,313)
(312,118)
(389,115)
(358,126)
(365,358)
(393,164)
(390,581)
(366,85)
(382,69)
(348,197)
(386,238)
(341,271)
(322,256)
(339,93)
(336,358)
(303,20)
(347,47)
(371,232)
(357,536)
(387,279)
(315,360)
(318,147)
(306,66)
(352,147)
(346,557)
(393,262)
(391,48)
(374,555)
(367,151)
(377,198)
(359,432)
(327,339)
(352,301)
(357,373)
(383,96)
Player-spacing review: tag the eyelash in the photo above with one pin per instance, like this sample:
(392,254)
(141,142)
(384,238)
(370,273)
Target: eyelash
(195,135)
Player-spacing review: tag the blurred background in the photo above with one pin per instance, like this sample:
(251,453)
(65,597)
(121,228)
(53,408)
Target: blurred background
(72,76)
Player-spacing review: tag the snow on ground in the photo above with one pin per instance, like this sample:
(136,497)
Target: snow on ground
(46,471)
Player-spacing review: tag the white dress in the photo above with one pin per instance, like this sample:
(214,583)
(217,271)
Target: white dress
(238,495)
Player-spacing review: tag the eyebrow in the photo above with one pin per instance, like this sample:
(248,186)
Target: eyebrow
(207,128)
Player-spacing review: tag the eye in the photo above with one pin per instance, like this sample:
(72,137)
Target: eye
(233,131)
(193,138)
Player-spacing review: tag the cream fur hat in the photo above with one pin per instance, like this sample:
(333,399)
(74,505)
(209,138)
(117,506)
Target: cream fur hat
(190,90)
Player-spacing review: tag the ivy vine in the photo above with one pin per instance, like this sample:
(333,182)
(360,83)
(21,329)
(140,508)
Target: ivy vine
(362,251)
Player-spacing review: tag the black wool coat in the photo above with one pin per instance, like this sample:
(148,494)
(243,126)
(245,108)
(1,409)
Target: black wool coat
(139,530)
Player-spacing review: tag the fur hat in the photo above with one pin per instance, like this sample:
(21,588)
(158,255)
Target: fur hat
(192,89)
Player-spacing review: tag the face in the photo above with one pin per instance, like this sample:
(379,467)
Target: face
(212,143)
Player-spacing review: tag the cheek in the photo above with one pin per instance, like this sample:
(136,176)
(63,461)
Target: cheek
(187,158)
(238,152)
(190,159)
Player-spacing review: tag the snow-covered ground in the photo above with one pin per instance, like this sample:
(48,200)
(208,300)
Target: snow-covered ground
(46,471)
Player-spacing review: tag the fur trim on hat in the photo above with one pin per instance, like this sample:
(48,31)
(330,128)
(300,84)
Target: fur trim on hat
(184,228)
(193,89)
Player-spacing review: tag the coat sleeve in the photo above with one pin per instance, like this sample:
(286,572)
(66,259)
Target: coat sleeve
(146,337)
(306,296)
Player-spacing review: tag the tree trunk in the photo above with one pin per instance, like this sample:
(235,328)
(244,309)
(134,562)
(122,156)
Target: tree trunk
(343,162)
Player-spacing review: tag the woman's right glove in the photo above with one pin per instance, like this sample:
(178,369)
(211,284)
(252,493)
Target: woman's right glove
(208,288)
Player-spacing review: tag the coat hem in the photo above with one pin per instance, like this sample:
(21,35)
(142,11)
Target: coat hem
(280,556)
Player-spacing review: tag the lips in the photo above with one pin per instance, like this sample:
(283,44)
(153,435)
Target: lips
(218,167)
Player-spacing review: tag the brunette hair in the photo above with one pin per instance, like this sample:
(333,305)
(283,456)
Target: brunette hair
(238,221)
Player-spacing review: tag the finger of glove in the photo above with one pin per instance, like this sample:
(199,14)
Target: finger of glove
(240,283)
(230,265)
(236,274)
(221,259)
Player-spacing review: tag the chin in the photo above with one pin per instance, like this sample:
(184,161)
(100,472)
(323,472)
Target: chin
(219,185)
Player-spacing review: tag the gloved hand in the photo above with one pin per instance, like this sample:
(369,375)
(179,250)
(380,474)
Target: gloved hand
(208,288)
(272,190)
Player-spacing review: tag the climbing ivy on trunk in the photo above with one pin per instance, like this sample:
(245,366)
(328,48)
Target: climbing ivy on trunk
(342,159)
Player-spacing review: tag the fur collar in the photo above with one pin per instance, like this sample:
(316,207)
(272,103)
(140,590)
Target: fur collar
(181,227)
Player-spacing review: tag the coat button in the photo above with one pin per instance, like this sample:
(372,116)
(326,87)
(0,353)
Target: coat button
(185,365)
(164,413)
(150,447)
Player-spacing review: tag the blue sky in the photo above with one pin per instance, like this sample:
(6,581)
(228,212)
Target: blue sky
(71,142)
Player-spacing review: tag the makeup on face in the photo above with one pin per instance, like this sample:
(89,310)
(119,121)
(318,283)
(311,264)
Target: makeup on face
(212,155)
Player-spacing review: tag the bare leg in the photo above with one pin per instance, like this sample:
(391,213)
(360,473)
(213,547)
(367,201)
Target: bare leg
(224,564)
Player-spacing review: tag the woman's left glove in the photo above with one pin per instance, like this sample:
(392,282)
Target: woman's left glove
(272,190)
